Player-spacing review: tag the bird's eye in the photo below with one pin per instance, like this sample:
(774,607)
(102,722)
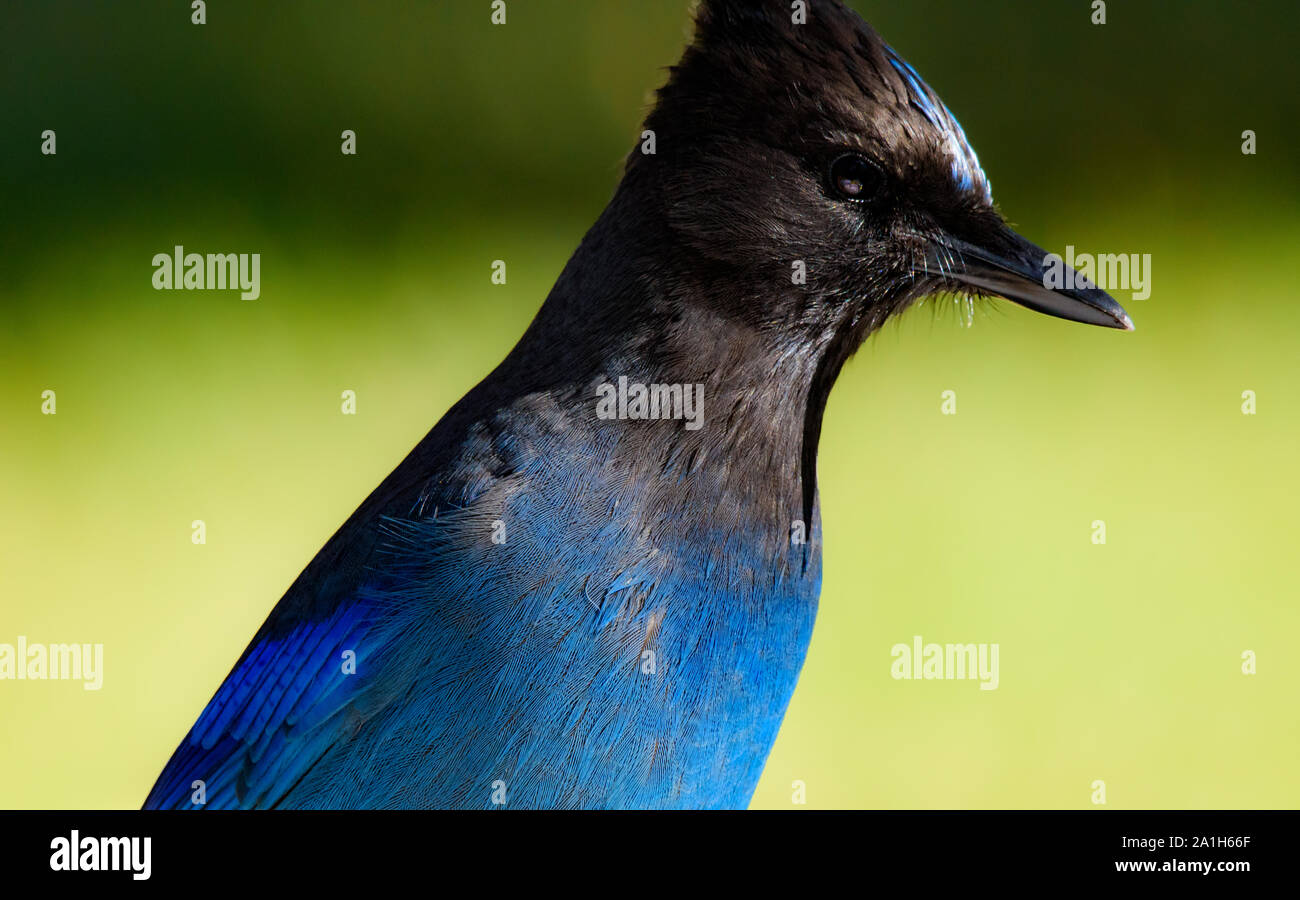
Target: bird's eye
(855,178)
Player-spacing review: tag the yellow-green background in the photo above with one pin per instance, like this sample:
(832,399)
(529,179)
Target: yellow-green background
(1118,662)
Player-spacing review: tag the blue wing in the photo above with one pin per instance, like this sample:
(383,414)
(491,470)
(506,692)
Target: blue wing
(290,698)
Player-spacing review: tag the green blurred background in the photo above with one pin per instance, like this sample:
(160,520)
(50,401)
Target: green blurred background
(1118,662)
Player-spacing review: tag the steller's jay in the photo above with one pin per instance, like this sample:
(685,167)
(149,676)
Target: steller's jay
(575,591)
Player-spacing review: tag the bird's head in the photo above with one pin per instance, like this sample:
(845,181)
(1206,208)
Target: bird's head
(792,141)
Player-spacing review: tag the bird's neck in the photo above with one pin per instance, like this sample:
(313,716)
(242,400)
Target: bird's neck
(632,315)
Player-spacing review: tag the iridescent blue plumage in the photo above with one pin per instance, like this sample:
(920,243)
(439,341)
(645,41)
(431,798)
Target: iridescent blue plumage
(966,170)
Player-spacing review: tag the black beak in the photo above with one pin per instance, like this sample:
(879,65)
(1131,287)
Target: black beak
(1011,267)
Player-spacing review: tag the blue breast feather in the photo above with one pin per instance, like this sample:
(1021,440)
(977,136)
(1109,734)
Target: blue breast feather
(590,660)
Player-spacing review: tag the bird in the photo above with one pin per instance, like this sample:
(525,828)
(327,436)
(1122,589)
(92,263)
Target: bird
(574,593)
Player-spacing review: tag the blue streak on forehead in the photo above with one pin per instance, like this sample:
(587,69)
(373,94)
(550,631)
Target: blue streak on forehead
(966,169)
